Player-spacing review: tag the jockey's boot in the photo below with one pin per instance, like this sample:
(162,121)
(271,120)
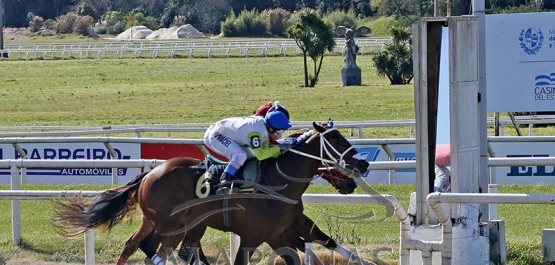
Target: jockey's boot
(226,187)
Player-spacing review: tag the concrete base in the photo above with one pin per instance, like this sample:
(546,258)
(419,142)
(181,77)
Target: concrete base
(351,76)
(468,246)
(548,245)
(498,248)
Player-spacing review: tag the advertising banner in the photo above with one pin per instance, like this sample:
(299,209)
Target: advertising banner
(520,62)
(524,174)
(71,151)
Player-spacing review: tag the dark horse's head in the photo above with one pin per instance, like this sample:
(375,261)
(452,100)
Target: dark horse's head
(341,182)
(338,153)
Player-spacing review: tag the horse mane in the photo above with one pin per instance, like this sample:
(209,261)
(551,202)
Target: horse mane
(304,134)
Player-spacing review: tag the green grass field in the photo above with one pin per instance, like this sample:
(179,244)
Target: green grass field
(42,243)
(105,92)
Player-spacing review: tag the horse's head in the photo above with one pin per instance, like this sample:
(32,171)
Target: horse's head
(339,153)
(342,183)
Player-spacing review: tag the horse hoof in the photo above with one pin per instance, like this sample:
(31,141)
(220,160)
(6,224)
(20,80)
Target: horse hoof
(367,262)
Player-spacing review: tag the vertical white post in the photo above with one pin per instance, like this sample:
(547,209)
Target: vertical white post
(234,242)
(89,247)
(308,254)
(16,205)
(492,188)
(23,175)
(115,174)
(479,10)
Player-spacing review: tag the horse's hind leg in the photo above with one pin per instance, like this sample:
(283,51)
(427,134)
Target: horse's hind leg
(158,247)
(132,244)
(191,250)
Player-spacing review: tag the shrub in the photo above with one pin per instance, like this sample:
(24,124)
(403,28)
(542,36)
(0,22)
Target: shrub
(30,16)
(149,22)
(116,28)
(227,27)
(50,23)
(249,23)
(36,24)
(114,17)
(340,18)
(178,21)
(83,24)
(65,23)
(100,30)
(278,20)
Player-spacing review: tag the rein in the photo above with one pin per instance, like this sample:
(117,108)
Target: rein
(325,146)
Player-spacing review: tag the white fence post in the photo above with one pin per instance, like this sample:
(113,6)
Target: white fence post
(89,247)
(234,242)
(16,206)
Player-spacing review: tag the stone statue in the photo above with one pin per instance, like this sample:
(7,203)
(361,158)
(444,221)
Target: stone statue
(350,73)
(351,49)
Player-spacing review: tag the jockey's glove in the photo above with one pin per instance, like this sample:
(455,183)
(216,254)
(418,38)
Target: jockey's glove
(285,146)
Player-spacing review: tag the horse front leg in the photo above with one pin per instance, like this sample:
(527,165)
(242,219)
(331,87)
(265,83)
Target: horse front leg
(312,233)
(282,248)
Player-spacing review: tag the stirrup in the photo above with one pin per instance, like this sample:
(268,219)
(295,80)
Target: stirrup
(227,188)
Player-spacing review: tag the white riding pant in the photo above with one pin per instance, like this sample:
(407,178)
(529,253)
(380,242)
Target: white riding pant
(227,147)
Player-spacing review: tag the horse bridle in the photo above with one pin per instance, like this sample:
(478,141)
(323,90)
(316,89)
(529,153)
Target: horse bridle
(327,148)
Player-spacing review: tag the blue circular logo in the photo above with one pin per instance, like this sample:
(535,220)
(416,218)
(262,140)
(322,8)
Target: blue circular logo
(531,40)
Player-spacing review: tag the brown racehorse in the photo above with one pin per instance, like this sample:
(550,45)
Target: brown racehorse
(171,206)
(302,230)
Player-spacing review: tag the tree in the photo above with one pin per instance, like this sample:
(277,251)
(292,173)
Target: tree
(85,9)
(395,60)
(169,14)
(314,36)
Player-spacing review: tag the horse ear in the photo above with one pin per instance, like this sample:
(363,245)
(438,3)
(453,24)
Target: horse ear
(318,128)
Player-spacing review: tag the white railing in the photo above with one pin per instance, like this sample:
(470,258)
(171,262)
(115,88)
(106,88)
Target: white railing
(154,49)
(356,127)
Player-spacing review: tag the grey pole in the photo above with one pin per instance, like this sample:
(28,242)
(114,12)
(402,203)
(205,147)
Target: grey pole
(478,8)
(2,27)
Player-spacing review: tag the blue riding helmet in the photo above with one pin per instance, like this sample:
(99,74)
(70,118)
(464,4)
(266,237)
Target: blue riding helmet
(277,120)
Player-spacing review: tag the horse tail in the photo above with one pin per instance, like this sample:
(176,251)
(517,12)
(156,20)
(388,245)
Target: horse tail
(103,212)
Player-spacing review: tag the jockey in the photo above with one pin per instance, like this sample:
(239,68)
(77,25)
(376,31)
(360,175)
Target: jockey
(240,138)
(271,107)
